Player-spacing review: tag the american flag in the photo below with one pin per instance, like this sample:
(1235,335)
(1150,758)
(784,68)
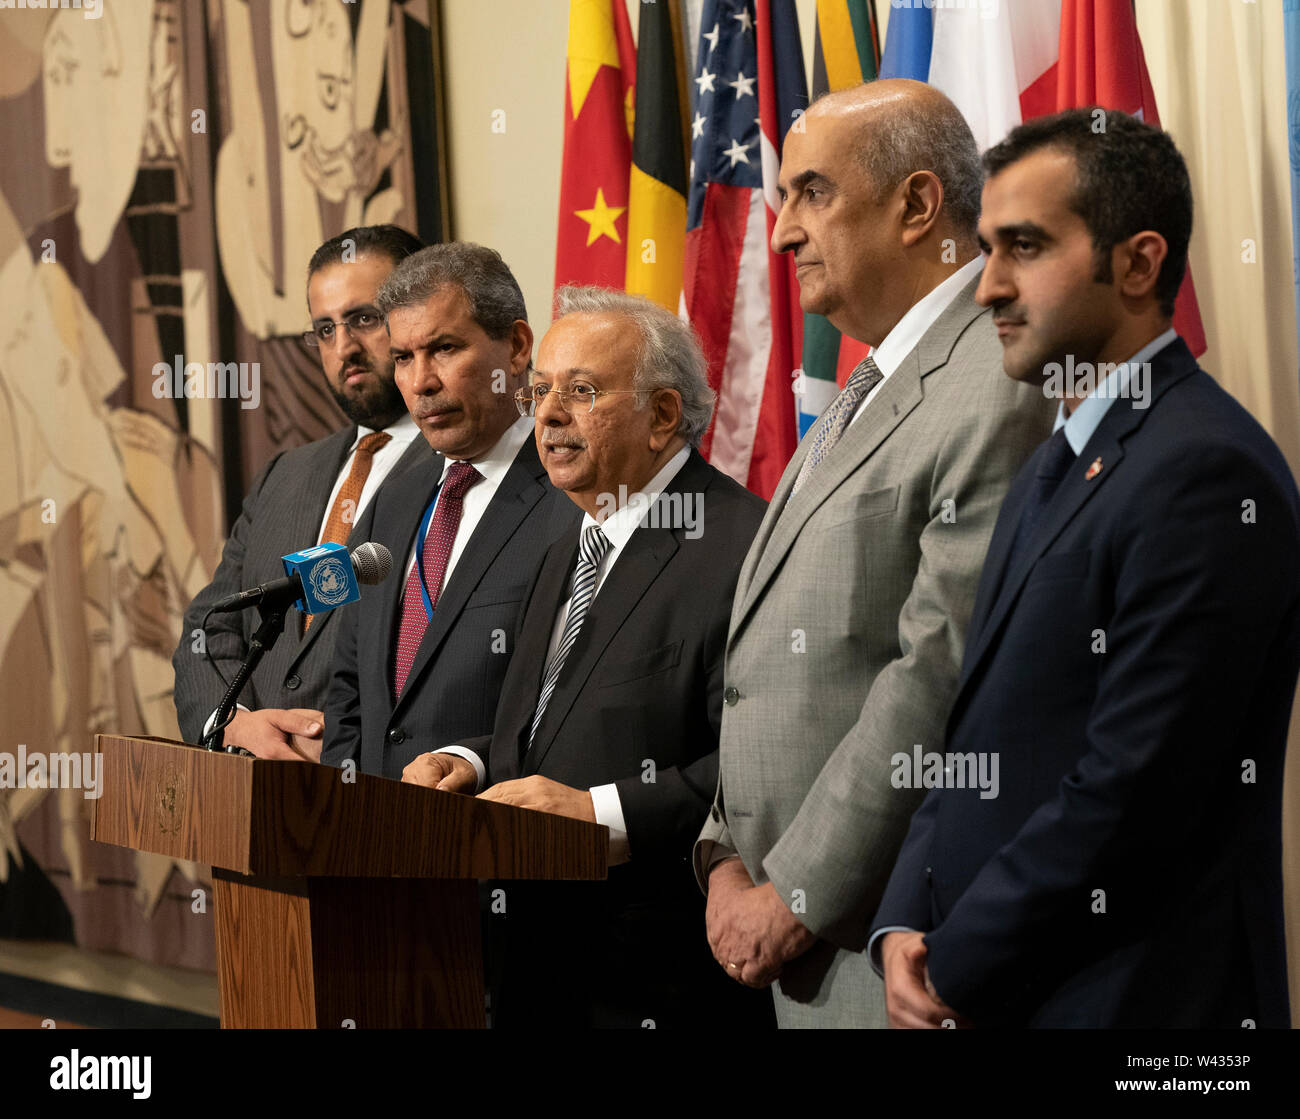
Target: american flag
(741,298)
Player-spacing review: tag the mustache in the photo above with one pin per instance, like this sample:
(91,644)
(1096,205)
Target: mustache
(552,438)
(425,407)
(356,365)
(1008,315)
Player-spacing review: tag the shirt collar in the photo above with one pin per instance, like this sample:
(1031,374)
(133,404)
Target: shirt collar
(1088,413)
(620,524)
(402,430)
(909,330)
(495,463)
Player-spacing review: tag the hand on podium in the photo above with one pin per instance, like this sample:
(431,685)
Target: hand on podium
(544,795)
(278,734)
(447,772)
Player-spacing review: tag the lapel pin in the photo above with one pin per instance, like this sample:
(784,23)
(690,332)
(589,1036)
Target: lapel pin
(1093,470)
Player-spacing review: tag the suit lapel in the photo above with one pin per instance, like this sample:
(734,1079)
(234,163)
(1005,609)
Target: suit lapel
(304,515)
(637,567)
(644,556)
(418,451)
(518,492)
(553,584)
(398,520)
(1107,444)
(896,398)
(1004,534)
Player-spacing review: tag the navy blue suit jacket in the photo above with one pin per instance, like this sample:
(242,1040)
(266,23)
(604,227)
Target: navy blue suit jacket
(1134,672)
(451,692)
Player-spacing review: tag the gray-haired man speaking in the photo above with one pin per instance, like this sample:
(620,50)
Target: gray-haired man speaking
(610,709)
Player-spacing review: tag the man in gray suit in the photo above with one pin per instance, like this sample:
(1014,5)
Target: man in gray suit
(302,497)
(849,618)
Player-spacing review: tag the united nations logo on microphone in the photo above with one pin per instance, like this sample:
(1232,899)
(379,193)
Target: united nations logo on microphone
(329,581)
(328,578)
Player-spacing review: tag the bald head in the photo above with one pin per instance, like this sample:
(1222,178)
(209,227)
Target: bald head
(880,193)
(897,127)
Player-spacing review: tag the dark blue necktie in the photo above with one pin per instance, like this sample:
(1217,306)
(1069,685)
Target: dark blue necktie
(1052,467)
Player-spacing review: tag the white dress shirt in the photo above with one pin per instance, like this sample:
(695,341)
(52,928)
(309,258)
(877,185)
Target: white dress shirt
(618,528)
(403,432)
(494,465)
(911,328)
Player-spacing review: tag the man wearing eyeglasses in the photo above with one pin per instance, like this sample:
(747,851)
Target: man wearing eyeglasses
(420,659)
(612,704)
(308,495)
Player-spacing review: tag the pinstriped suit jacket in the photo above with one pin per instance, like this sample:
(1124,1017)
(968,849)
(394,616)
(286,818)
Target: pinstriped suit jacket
(282,513)
(846,638)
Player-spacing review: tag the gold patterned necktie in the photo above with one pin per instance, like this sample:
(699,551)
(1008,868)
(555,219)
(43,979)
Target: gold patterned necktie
(343,513)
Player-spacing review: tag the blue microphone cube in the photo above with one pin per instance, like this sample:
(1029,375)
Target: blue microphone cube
(327,577)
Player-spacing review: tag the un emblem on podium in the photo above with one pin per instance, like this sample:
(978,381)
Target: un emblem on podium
(171,801)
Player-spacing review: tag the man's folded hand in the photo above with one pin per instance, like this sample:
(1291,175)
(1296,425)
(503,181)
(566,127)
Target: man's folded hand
(449,773)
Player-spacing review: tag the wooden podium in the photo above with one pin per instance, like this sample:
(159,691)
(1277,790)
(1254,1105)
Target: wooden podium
(338,902)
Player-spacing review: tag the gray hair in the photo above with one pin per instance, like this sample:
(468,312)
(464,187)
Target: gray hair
(670,355)
(927,133)
(490,289)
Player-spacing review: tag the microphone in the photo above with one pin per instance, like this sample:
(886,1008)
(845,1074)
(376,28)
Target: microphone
(317,579)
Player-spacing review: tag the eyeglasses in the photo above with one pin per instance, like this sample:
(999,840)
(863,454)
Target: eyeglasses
(359,323)
(571,400)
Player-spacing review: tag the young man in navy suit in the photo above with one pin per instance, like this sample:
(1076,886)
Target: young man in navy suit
(1133,652)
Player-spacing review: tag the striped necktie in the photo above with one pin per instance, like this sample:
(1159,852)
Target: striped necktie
(591,550)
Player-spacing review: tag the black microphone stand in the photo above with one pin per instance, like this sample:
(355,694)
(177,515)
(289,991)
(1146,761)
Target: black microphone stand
(272,611)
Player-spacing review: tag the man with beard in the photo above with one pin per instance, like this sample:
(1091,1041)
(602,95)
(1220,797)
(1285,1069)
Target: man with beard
(312,494)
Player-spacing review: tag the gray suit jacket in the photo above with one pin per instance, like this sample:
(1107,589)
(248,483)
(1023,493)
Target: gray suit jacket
(282,513)
(846,638)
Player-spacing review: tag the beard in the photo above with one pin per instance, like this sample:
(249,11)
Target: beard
(375,403)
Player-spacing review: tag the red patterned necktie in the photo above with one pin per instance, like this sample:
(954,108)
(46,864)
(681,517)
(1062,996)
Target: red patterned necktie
(437,551)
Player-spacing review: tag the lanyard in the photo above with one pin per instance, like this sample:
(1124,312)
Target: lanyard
(419,555)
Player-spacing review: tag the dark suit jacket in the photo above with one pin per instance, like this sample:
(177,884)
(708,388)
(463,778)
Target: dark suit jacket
(282,513)
(1134,671)
(637,704)
(452,688)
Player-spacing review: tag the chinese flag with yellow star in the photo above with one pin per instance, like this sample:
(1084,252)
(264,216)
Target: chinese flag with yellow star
(591,243)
